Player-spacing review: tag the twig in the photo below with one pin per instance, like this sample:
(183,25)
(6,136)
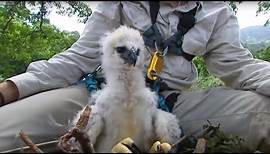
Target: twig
(84,140)
(42,14)
(209,129)
(11,15)
(84,117)
(28,142)
(78,134)
(179,141)
(200,146)
(63,142)
(7,23)
(27,147)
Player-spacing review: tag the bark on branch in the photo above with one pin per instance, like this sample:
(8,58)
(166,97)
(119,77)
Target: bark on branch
(200,146)
(78,134)
(29,142)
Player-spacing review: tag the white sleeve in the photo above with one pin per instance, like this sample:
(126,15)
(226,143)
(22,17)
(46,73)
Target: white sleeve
(233,64)
(82,57)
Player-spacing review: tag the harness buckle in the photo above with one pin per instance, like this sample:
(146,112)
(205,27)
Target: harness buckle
(98,69)
(155,66)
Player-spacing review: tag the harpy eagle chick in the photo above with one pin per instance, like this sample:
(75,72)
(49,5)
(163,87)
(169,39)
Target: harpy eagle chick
(125,107)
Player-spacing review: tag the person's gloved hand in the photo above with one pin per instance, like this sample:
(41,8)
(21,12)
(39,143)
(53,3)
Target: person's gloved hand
(8,92)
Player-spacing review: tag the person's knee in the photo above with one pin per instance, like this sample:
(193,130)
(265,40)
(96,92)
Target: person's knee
(258,97)
(63,104)
(43,116)
(258,131)
(257,113)
(242,113)
(256,102)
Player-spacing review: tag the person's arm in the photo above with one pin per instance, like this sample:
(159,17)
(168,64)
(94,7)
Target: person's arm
(82,57)
(8,92)
(233,64)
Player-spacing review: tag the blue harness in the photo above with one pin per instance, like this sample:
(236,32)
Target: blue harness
(93,83)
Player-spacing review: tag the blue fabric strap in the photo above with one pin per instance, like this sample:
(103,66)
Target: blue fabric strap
(91,82)
(162,103)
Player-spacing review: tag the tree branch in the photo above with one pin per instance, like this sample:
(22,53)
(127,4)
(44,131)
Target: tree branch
(84,140)
(7,23)
(78,133)
(41,17)
(200,146)
(10,13)
(28,142)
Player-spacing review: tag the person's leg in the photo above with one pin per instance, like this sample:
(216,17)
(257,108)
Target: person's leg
(44,116)
(242,113)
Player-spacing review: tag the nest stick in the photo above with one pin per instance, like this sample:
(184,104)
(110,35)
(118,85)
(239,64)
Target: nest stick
(78,133)
(84,140)
(84,117)
(200,146)
(43,144)
(179,141)
(29,142)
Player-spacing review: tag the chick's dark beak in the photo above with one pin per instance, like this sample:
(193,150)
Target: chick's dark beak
(129,56)
(133,55)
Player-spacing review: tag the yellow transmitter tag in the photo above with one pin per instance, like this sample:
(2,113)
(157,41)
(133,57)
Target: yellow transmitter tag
(155,66)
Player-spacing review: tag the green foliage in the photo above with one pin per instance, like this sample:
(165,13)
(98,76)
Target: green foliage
(1,78)
(255,47)
(74,7)
(205,78)
(33,11)
(21,43)
(263,7)
(233,5)
(218,141)
(263,54)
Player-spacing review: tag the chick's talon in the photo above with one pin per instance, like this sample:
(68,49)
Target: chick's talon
(159,147)
(120,148)
(165,147)
(155,147)
(126,145)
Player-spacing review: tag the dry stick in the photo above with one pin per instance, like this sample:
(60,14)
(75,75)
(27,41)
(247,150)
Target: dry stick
(80,135)
(84,140)
(204,132)
(200,146)
(27,147)
(185,137)
(179,141)
(84,117)
(63,142)
(80,125)
(28,142)
(175,145)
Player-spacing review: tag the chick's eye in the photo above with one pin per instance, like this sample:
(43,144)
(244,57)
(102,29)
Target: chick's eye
(120,49)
